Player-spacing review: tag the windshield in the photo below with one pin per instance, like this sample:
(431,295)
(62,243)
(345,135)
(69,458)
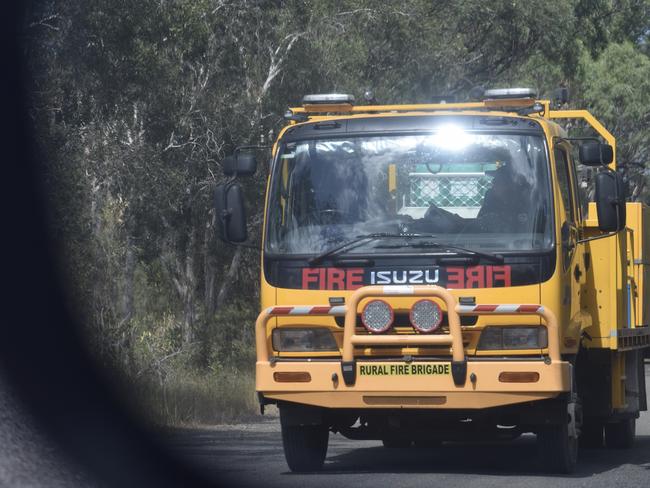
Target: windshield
(486,192)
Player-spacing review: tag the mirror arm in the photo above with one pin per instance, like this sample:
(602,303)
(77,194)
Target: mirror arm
(571,139)
(603,236)
(243,244)
(238,149)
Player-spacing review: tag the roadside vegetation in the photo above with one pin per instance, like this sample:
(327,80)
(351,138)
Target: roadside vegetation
(210,380)
(136,104)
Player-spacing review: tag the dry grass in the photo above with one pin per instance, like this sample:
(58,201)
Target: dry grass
(191,398)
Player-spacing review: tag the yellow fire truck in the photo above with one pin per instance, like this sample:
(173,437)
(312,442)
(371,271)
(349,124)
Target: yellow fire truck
(435,273)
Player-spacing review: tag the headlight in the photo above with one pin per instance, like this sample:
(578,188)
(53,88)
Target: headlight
(288,339)
(426,316)
(504,338)
(377,316)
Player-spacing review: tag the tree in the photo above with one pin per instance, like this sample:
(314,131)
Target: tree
(616,87)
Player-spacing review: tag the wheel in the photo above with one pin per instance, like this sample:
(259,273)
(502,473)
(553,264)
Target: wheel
(591,435)
(620,435)
(305,446)
(396,443)
(557,449)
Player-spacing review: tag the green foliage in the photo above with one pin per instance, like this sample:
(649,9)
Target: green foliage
(616,85)
(602,22)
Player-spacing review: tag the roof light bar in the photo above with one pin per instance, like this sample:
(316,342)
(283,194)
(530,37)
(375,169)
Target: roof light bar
(327,99)
(505,93)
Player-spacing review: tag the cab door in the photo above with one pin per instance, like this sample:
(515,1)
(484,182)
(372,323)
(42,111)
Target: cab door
(572,261)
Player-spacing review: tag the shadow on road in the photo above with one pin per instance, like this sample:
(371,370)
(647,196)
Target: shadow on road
(515,458)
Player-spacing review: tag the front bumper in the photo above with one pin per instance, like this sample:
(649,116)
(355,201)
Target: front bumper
(369,383)
(416,391)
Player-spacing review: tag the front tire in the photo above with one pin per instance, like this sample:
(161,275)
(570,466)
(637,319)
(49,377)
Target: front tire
(620,435)
(305,446)
(558,450)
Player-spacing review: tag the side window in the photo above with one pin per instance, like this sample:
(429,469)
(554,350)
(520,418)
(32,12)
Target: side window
(562,170)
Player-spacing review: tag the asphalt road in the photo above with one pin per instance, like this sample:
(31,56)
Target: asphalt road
(251,454)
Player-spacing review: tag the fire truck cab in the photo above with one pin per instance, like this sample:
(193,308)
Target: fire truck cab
(435,273)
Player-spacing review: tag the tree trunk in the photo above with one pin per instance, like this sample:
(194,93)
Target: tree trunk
(209,272)
(181,273)
(229,278)
(129,275)
(189,302)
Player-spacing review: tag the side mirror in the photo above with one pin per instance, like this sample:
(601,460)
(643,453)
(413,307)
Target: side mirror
(610,201)
(596,154)
(240,164)
(231,214)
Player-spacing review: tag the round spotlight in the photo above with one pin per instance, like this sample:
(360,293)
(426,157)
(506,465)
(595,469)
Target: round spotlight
(426,316)
(377,316)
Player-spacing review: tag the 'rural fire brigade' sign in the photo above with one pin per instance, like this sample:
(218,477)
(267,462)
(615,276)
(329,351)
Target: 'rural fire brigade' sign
(413,369)
(449,277)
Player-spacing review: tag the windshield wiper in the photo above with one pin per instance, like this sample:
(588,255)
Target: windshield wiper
(357,241)
(497,258)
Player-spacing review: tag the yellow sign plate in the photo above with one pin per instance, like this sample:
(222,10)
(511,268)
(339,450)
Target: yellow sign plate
(404,369)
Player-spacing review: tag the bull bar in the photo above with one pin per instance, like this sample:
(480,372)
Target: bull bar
(454,339)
